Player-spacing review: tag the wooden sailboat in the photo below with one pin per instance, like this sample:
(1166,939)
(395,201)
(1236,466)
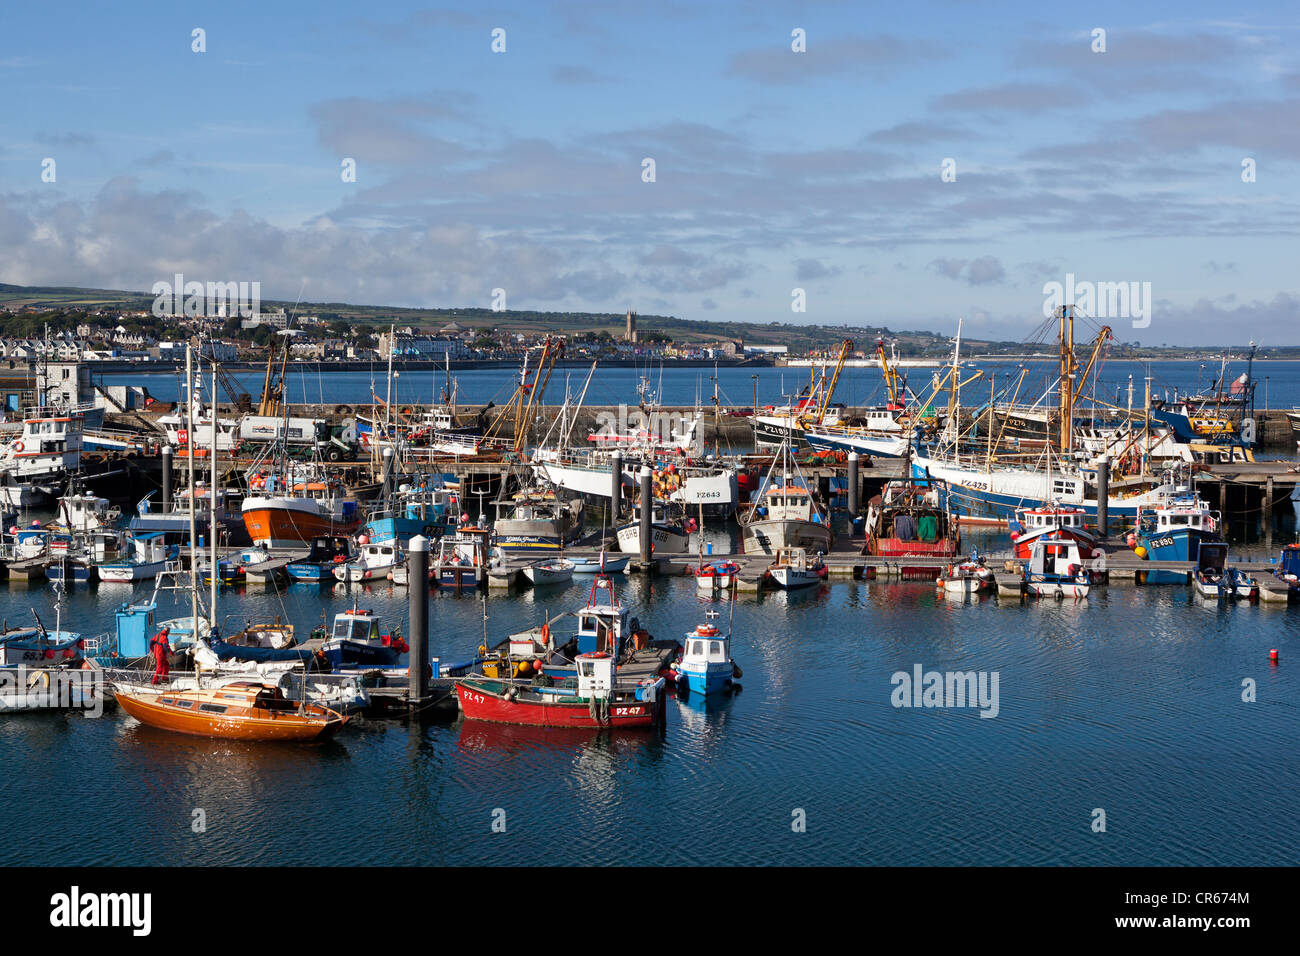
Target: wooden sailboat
(241,710)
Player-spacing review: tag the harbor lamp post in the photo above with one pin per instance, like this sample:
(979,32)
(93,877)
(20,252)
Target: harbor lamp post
(755,378)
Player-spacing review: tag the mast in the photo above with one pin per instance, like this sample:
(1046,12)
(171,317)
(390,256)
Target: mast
(212,499)
(189,445)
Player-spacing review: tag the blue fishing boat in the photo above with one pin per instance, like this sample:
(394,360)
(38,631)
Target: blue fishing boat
(426,509)
(1288,570)
(706,666)
(326,552)
(1173,530)
(357,641)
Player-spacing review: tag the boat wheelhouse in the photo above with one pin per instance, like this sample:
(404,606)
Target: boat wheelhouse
(1057,568)
(1174,530)
(1030,524)
(357,640)
(706,666)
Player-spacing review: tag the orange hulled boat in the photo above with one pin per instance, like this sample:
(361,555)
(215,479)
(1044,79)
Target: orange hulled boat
(289,516)
(242,710)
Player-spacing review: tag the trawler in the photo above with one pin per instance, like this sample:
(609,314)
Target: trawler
(785,515)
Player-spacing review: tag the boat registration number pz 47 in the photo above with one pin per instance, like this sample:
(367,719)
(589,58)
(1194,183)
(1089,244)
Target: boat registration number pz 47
(471,696)
(626,711)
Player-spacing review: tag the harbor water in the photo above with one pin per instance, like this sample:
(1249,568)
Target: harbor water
(1279,383)
(1130,702)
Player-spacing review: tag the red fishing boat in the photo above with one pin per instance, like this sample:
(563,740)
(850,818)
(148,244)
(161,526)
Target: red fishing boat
(596,701)
(910,519)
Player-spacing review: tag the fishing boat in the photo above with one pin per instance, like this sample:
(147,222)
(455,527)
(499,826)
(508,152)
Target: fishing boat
(421,507)
(785,515)
(597,702)
(553,571)
(148,556)
(240,710)
(667,535)
(705,666)
(82,511)
(174,520)
(794,568)
(1030,524)
(966,577)
(326,552)
(910,519)
(374,561)
(39,458)
(357,641)
(289,513)
(72,686)
(537,522)
(1057,569)
(462,562)
(1174,529)
(37,647)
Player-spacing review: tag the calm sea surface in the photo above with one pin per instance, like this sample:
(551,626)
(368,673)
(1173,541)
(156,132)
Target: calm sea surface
(1130,702)
(1279,383)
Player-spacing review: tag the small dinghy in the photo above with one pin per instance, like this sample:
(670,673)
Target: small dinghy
(968,577)
(557,571)
(601,565)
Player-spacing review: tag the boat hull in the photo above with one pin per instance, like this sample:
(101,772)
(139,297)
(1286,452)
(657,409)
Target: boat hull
(482,700)
(286,527)
(288,727)
(664,539)
(770,536)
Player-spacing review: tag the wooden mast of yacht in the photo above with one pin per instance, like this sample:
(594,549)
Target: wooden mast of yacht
(189,446)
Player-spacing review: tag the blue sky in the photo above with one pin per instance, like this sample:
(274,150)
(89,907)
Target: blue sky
(775,170)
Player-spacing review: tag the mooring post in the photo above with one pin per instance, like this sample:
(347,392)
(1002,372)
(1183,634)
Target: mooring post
(1103,497)
(167,477)
(855,487)
(388,475)
(1268,511)
(646,529)
(615,487)
(417,671)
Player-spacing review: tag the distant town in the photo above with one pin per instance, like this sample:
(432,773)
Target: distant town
(98,326)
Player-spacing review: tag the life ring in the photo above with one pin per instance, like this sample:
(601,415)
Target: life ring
(405,410)
(19,446)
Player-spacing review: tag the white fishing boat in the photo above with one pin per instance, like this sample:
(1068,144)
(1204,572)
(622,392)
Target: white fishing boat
(785,514)
(667,536)
(555,571)
(147,559)
(373,562)
(794,568)
(716,576)
(1058,569)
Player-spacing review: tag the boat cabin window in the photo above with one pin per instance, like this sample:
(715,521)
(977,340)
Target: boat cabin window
(213,708)
(715,647)
(586,668)
(185,703)
(697,648)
